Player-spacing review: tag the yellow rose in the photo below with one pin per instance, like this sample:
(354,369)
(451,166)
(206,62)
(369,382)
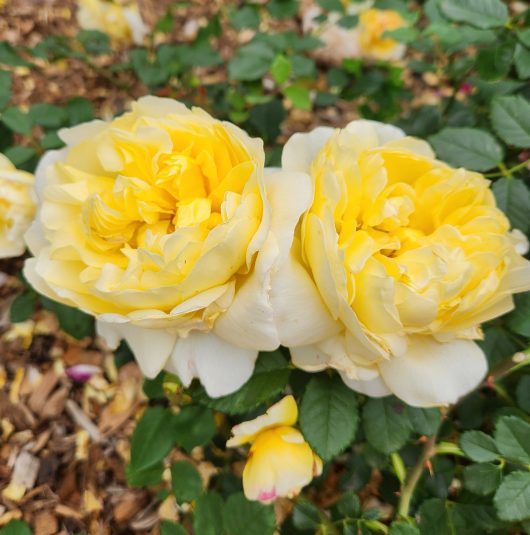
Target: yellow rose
(163,224)
(407,256)
(280,462)
(17,207)
(122,21)
(373,23)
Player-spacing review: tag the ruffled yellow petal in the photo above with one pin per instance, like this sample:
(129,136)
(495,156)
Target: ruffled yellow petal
(283,413)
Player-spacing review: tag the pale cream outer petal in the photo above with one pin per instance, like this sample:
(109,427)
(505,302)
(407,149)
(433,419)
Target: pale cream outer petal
(138,28)
(375,387)
(431,373)
(221,367)
(151,348)
(301,149)
(251,321)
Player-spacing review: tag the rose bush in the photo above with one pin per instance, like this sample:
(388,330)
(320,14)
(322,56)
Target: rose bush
(163,225)
(407,255)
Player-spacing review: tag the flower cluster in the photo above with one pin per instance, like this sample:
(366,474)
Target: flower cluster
(363,253)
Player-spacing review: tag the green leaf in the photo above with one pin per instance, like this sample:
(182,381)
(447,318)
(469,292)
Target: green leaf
(422,122)
(482,478)
(151,73)
(349,505)
(467,147)
(17,121)
(403,528)
(51,141)
(251,61)
(512,499)
(153,388)
(16,527)
(151,475)
(480,13)
(498,344)
(523,393)
(478,446)
(152,439)
(512,437)
(331,5)
(328,415)
(269,379)
(193,426)
(94,42)
(244,17)
(402,35)
(438,517)
(5,88)
(424,421)
(9,56)
(23,306)
(519,320)
(510,117)
(281,68)
(186,482)
(494,62)
(71,320)
(513,198)
(19,154)
(299,96)
(303,67)
(522,61)
(306,516)
(282,9)
(208,515)
(47,115)
(266,119)
(242,517)
(386,424)
(348,21)
(170,528)
(524,36)
(79,110)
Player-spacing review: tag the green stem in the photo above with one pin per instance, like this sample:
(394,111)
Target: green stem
(407,490)
(510,171)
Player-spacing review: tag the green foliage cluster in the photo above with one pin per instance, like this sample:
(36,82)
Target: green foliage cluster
(461,470)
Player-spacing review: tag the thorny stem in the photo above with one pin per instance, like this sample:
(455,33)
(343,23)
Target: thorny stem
(407,490)
(430,449)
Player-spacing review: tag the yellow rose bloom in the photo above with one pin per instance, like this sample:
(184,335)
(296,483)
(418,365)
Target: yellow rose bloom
(17,207)
(407,255)
(373,23)
(280,462)
(122,21)
(163,224)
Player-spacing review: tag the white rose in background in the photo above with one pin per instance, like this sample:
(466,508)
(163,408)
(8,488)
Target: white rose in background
(406,256)
(365,40)
(17,207)
(163,225)
(121,20)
